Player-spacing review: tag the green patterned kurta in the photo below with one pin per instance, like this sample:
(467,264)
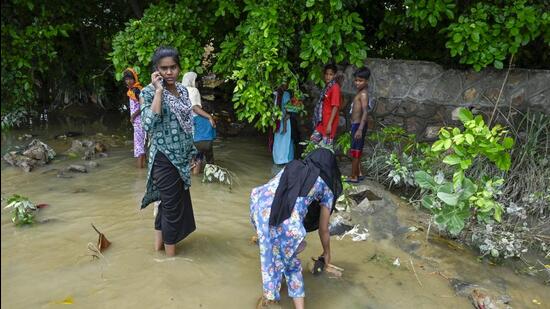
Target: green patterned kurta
(167,136)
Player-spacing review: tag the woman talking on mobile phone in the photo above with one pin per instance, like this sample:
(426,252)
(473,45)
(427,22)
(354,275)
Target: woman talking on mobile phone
(166,116)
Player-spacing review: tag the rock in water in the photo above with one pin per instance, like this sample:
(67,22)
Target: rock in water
(77,168)
(36,153)
(339,229)
(100,147)
(86,148)
(92,164)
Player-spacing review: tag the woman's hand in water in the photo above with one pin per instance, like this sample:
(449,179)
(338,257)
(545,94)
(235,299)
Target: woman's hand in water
(156,80)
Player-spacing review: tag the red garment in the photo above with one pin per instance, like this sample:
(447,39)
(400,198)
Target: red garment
(332,99)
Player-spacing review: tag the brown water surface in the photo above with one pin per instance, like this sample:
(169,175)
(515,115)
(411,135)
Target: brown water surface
(216,266)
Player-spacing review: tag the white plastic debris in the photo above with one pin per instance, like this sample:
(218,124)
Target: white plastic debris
(396,263)
(355,234)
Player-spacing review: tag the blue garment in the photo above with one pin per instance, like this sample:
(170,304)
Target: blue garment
(283,147)
(203,130)
(278,244)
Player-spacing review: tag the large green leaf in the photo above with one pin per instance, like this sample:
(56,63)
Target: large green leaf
(424,180)
(504,162)
(452,159)
(453,218)
(465,114)
(446,194)
(468,188)
(449,198)
(427,201)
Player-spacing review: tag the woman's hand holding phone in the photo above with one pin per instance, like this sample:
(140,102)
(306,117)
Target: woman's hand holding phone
(157,80)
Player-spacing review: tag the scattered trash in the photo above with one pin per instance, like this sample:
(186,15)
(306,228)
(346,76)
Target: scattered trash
(536,302)
(216,173)
(355,234)
(67,301)
(413,229)
(338,225)
(102,242)
(396,263)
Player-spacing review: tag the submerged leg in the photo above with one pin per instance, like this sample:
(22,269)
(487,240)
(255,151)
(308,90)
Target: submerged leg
(170,250)
(159,243)
(141,161)
(298,302)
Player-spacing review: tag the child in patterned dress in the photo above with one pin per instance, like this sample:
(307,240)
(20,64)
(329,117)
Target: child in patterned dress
(134,89)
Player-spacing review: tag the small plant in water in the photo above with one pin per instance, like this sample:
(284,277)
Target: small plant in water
(23,210)
(216,173)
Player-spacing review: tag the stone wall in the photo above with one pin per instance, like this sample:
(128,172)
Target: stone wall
(421,96)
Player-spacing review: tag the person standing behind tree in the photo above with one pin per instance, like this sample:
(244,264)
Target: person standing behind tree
(283,145)
(204,126)
(134,90)
(325,115)
(166,112)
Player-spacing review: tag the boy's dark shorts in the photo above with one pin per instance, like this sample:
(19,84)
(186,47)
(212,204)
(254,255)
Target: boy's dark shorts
(357,144)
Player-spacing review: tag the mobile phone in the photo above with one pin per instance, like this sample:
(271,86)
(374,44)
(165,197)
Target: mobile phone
(162,81)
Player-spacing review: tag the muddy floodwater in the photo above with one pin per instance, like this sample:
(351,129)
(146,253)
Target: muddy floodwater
(48,264)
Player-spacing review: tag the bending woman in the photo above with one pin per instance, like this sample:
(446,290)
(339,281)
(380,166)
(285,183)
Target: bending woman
(166,113)
(299,199)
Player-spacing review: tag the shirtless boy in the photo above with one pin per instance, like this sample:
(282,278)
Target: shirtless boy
(359,109)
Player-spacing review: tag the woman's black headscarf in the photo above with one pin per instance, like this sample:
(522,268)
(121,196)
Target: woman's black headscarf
(297,180)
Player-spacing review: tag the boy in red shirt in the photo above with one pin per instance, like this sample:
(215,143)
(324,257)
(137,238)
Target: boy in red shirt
(325,116)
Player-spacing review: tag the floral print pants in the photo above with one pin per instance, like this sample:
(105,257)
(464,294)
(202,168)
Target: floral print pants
(278,254)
